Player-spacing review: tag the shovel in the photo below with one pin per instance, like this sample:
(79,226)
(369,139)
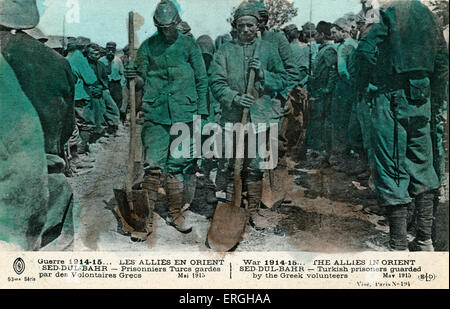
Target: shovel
(229,221)
(133,207)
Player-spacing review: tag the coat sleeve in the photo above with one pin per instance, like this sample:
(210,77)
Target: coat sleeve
(289,64)
(142,62)
(276,79)
(439,78)
(367,51)
(343,56)
(201,78)
(218,81)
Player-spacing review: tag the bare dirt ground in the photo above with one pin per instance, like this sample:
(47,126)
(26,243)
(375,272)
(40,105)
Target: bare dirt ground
(323,211)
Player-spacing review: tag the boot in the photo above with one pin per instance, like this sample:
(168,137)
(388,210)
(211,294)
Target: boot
(424,206)
(151,183)
(254,193)
(175,190)
(437,195)
(211,194)
(397,216)
(83,147)
(411,221)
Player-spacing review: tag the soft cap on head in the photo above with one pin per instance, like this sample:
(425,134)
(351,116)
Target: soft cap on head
(261,9)
(246,9)
(324,27)
(72,44)
(309,27)
(18,14)
(166,14)
(290,28)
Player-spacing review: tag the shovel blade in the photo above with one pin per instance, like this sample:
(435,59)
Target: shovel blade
(133,209)
(227,227)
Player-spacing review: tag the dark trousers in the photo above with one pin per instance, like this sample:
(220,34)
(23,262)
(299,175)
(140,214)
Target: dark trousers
(115,88)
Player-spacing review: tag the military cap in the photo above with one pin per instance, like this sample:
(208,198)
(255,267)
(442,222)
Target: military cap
(261,8)
(83,41)
(324,27)
(72,44)
(246,9)
(18,14)
(290,28)
(94,46)
(111,45)
(166,14)
(309,27)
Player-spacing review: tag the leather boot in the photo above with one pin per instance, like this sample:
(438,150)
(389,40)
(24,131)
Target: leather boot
(424,208)
(151,183)
(254,193)
(175,190)
(397,216)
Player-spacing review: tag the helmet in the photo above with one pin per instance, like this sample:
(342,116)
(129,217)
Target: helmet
(166,14)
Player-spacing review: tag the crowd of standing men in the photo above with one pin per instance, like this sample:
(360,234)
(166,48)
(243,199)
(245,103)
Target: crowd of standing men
(369,87)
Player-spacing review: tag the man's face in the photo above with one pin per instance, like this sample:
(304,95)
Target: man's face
(292,35)
(336,34)
(310,36)
(170,33)
(110,52)
(247,28)
(319,37)
(92,54)
(264,19)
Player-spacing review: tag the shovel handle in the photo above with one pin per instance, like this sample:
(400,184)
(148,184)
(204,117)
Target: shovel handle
(239,161)
(132,102)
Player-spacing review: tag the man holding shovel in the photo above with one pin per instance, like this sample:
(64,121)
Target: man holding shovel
(170,67)
(229,82)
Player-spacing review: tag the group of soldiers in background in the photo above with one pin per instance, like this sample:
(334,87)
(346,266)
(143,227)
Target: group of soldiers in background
(355,90)
(379,87)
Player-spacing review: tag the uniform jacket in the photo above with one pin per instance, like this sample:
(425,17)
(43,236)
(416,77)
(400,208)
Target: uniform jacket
(398,44)
(175,79)
(84,74)
(115,69)
(229,77)
(324,75)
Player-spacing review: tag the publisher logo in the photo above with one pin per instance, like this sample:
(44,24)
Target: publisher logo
(19,266)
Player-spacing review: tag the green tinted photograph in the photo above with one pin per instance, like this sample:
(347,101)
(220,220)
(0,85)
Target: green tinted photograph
(224,126)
